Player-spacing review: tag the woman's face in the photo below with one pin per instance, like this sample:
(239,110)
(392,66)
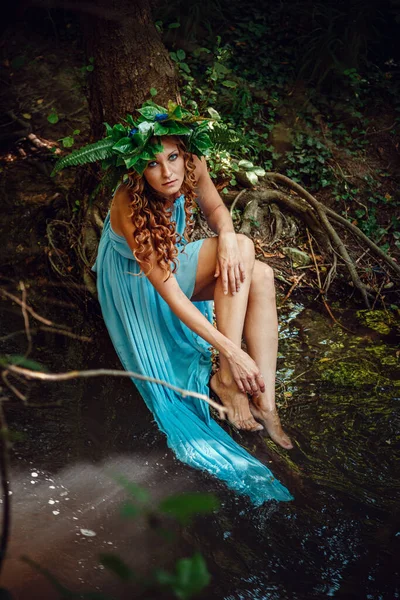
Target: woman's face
(165,174)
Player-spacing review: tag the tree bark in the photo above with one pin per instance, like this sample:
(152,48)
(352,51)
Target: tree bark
(129,59)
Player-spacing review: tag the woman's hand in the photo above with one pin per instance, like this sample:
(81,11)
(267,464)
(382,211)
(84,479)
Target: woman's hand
(244,370)
(229,263)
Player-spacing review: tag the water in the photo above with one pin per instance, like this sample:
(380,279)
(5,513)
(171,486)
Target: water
(340,537)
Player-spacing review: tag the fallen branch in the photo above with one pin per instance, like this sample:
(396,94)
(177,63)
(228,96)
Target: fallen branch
(29,374)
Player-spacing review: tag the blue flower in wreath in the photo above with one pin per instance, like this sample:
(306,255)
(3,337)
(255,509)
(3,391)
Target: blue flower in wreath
(133,131)
(161,117)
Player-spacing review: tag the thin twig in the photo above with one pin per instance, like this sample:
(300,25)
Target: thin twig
(295,284)
(26,318)
(321,289)
(113,373)
(12,387)
(28,308)
(34,331)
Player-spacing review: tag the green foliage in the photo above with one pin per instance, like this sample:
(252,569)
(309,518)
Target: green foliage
(190,577)
(316,73)
(53,117)
(88,68)
(184,506)
(308,162)
(69,140)
(21,361)
(130,145)
(91,153)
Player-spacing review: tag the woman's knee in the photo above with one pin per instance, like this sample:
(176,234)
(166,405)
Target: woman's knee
(263,275)
(246,247)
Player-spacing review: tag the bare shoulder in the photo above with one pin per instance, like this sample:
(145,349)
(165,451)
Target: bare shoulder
(120,210)
(200,167)
(121,199)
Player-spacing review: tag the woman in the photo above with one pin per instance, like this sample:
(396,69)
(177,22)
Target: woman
(154,289)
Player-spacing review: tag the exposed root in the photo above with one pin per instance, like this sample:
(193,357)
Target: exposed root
(250,215)
(319,219)
(334,237)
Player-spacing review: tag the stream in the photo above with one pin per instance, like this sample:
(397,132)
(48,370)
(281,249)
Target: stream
(338,394)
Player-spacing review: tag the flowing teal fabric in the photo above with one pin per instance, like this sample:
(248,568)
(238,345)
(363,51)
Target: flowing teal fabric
(151,340)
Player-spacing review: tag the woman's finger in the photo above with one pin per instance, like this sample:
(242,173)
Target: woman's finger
(247,386)
(261,383)
(232,280)
(254,386)
(224,277)
(242,271)
(237,277)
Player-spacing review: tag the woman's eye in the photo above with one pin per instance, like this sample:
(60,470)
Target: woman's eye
(151,164)
(173,157)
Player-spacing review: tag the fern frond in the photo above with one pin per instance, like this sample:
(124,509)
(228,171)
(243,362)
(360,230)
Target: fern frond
(88,154)
(224,138)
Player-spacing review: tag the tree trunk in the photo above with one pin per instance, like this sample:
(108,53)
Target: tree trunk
(129,59)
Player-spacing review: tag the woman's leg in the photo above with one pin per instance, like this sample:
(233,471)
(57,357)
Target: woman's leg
(230,312)
(261,335)
(260,331)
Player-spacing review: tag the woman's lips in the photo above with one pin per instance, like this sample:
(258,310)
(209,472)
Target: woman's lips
(170,182)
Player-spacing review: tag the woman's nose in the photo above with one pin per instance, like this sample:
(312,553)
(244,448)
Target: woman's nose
(166,170)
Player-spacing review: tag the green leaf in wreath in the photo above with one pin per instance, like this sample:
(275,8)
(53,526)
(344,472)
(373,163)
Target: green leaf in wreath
(91,153)
(109,129)
(118,131)
(151,110)
(124,145)
(130,120)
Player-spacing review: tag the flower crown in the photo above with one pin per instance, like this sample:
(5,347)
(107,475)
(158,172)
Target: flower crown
(130,145)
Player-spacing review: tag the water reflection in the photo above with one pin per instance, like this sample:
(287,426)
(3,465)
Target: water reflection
(339,538)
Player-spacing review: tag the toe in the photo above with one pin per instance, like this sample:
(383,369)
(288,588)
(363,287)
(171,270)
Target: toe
(252,425)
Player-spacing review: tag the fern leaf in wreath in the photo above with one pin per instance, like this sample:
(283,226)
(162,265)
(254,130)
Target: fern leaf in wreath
(91,153)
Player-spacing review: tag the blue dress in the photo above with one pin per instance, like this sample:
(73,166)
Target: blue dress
(151,340)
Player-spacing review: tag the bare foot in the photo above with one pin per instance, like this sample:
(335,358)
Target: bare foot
(237,403)
(272,423)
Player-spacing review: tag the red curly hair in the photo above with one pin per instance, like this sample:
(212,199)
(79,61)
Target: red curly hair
(154,230)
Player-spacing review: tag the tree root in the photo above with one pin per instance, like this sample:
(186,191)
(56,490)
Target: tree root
(318,219)
(249,217)
(329,229)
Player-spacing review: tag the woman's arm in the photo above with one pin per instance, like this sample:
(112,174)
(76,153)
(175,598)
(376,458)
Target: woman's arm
(229,266)
(244,370)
